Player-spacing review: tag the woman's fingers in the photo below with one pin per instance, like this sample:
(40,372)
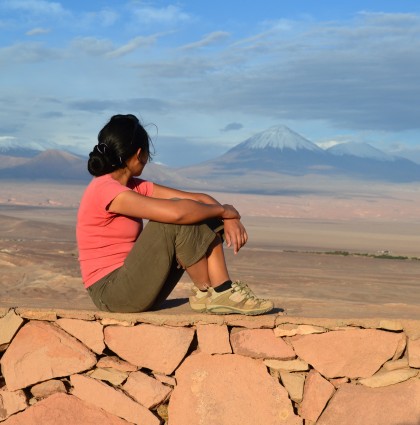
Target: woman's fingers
(235,234)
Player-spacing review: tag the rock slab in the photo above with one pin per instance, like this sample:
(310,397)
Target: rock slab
(116,363)
(90,333)
(9,325)
(11,402)
(213,339)
(316,393)
(146,390)
(62,409)
(42,351)
(384,377)
(228,389)
(358,405)
(414,353)
(158,348)
(294,383)
(113,376)
(48,388)
(111,400)
(260,344)
(355,353)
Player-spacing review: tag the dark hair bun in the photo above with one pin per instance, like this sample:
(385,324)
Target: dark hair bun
(99,164)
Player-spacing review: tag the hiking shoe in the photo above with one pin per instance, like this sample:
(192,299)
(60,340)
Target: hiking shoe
(238,299)
(199,299)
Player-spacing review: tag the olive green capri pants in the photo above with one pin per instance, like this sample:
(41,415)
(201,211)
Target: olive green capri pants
(153,266)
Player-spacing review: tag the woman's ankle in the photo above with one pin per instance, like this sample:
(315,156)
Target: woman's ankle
(202,287)
(223,286)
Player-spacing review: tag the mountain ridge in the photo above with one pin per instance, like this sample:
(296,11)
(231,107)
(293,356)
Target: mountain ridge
(361,150)
(278,137)
(268,157)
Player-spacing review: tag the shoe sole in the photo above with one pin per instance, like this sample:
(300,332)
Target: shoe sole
(232,310)
(199,310)
(198,307)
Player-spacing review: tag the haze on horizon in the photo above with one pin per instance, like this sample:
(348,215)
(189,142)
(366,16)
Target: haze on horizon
(206,76)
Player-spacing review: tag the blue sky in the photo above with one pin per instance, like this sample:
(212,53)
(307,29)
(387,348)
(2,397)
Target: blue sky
(205,75)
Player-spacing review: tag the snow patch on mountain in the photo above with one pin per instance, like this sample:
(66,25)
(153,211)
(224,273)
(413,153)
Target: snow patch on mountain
(361,150)
(279,137)
(410,154)
(9,143)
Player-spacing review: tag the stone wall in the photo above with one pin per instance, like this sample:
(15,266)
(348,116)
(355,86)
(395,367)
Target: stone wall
(85,367)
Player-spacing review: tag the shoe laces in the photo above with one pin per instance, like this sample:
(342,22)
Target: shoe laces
(246,290)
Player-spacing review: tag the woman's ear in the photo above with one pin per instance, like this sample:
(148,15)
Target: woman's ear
(141,157)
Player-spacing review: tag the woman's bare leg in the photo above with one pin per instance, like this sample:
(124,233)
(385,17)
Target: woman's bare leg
(217,268)
(211,270)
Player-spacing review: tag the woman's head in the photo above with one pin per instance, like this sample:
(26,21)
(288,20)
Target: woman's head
(118,141)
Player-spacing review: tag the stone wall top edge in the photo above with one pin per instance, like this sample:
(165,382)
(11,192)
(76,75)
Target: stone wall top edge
(4,311)
(161,318)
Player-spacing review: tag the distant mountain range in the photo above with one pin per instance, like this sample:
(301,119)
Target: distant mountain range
(281,150)
(260,163)
(31,149)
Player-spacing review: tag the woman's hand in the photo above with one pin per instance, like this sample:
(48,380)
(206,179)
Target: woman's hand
(235,234)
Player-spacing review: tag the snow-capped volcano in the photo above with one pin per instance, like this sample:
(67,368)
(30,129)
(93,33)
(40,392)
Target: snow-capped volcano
(360,150)
(281,150)
(277,149)
(279,137)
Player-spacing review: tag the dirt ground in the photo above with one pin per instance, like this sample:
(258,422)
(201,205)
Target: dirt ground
(291,255)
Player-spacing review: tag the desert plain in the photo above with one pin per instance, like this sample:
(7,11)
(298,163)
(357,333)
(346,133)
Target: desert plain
(317,254)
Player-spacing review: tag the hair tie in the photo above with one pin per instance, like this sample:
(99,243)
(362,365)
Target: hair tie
(115,165)
(101,147)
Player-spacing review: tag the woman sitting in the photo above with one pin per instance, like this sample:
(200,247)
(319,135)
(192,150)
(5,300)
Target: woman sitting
(128,268)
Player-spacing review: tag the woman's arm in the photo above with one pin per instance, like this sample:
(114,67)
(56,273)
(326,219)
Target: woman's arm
(235,232)
(177,211)
(165,192)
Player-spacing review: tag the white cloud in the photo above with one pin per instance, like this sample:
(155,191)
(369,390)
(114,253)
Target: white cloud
(133,44)
(278,25)
(104,18)
(27,53)
(130,104)
(232,126)
(37,7)
(392,19)
(165,15)
(186,68)
(328,144)
(37,31)
(207,40)
(92,46)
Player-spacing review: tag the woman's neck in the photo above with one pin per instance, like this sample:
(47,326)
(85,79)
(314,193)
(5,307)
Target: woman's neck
(122,175)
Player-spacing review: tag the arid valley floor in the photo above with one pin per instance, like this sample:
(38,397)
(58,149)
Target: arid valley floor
(293,254)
